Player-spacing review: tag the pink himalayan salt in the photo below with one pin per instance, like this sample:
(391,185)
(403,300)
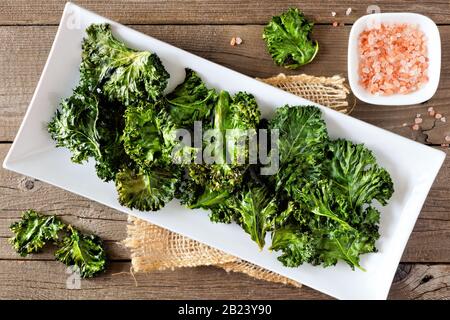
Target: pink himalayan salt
(393,59)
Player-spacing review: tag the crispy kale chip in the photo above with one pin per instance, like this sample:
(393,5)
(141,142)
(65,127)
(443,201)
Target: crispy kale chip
(288,39)
(33,231)
(196,196)
(147,189)
(110,125)
(90,126)
(190,101)
(234,123)
(74,125)
(85,252)
(333,218)
(354,172)
(255,211)
(112,76)
(301,145)
(297,246)
(120,73)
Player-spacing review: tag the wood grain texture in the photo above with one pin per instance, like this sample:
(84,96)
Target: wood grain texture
(27,30)
(47,280)
(421,282)
(429,242)
(211,12)
(24,51)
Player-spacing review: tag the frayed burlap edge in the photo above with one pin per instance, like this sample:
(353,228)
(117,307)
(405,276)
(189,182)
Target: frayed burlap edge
(155,248)
(331,92)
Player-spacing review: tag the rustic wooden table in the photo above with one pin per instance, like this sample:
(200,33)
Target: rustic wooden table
(204,27)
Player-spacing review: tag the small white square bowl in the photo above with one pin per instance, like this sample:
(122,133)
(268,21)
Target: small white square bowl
(431,32)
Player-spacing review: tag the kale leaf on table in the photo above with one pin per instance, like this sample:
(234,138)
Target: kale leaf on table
(34,231)
(85,252)
(288,39)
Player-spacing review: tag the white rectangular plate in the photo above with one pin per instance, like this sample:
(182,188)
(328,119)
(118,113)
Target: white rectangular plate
(413,166)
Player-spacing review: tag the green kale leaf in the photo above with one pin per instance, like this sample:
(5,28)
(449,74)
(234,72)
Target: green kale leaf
(121,73)
(354,172)
(301,145)
(33,231)
(234,123)
(85,252)
(190,101)
(297,247)
(255,211)
(74,125)
(150,137)
(288,39)
(147,189)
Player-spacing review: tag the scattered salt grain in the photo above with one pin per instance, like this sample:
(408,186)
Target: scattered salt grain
(233,41)
(447,138)
(238,40)
(438,116)
(349,10)
(404,124)
(430,109)
(418,120)
(335,24)
(443,119)
(445,145)
(415,127)
(333,14)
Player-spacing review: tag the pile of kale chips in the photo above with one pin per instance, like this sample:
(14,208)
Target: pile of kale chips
(318,205)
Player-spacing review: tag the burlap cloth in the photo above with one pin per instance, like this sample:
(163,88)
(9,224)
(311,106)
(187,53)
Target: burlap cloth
(155,248)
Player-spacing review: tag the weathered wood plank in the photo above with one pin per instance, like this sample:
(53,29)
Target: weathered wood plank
(429,242)
(20,279)
(211,12)
(421,282)
(25,49)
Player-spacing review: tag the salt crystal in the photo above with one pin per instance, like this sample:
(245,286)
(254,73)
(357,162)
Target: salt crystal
(438,116)
(415,127)
(418,120)
(333,14)
(349,10)
(443,119)
(447,138)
